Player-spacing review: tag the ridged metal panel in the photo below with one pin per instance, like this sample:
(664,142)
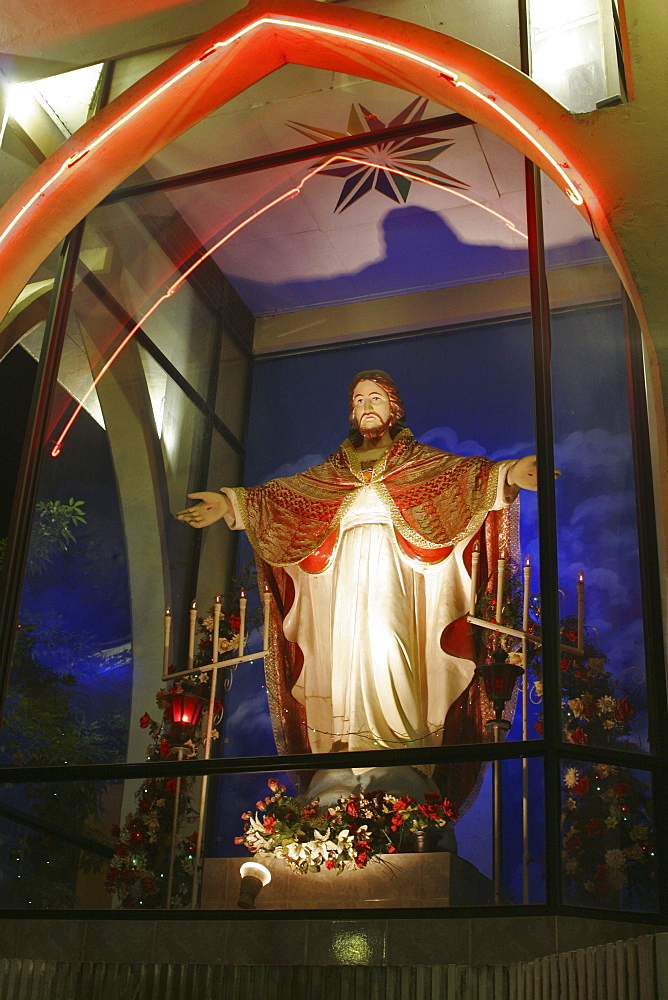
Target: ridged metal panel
(622,970)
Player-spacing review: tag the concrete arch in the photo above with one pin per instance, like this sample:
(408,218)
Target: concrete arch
(224,61)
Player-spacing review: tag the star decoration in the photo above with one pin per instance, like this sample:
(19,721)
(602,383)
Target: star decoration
(411,155)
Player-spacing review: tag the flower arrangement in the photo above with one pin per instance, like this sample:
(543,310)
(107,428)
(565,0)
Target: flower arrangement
(607,847)
(228,637)
(138,869)
(344,836)
(607,850)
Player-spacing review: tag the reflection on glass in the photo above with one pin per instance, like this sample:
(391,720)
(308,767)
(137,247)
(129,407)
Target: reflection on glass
(608,837)
(604,686)
(573,51)
(382,837)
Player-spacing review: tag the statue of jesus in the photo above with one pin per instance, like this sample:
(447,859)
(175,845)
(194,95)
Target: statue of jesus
(367,557)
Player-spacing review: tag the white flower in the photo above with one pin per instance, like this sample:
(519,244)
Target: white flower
(571,777)
(617,878)
(207,623)
(517,659)
(615,859)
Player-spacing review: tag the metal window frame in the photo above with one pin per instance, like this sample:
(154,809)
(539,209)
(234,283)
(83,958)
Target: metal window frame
(552,749)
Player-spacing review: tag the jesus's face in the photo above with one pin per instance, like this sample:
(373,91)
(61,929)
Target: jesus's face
(372,412)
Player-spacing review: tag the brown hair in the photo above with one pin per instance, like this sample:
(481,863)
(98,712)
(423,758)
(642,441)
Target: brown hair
(387,383)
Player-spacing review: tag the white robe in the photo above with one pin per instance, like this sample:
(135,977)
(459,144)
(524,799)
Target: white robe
(369,626)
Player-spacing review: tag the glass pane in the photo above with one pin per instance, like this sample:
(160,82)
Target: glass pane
(383,838)
(608,837)
(573,51)
(291,108)
(233,386)
(106,554)
(141,246)
(604,688)
(21,340)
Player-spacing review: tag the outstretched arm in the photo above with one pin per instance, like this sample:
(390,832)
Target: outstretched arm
(213,506)
(523,474)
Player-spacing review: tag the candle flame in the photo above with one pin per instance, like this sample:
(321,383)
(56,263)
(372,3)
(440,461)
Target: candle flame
(168,612)
(527,561)
(266,588)
(476,547)
(581,577)
(218,599)
(242,593)
(193,606)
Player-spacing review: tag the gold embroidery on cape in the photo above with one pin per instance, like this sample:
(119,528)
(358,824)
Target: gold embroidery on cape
(433,499)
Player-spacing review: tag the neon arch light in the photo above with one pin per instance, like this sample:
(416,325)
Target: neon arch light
(184,275)
(224,62)
(488,99)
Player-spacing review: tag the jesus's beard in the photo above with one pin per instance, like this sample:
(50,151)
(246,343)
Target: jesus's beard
(373,432)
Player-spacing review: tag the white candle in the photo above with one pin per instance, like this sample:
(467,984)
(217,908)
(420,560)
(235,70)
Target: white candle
(527,582)
(216,629)
(266,597)
(500,574)
(242,622)
(475,559)
(191,635)
(168,632)
(581,606)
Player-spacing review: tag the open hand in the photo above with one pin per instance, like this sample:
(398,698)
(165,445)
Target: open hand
(201,515)
(525,475)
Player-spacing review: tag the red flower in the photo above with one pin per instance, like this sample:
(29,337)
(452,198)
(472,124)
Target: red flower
(145,721)
(601,878)
(594,828)
(269,822)
(579,736)
(352,808)
(170,786)
(218,707)
(622,789)
(165,749)
(329,864)
(572,841)
(538,726)
(391,849)
(623,709)
(581,786)
(566,664)
(235,621)
(145,805)
(362,855)
(588,708)
(308,812)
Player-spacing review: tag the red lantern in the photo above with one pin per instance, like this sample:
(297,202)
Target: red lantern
(499,678)
(182,716)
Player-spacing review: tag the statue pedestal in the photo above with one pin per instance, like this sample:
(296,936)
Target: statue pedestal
(400,881)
